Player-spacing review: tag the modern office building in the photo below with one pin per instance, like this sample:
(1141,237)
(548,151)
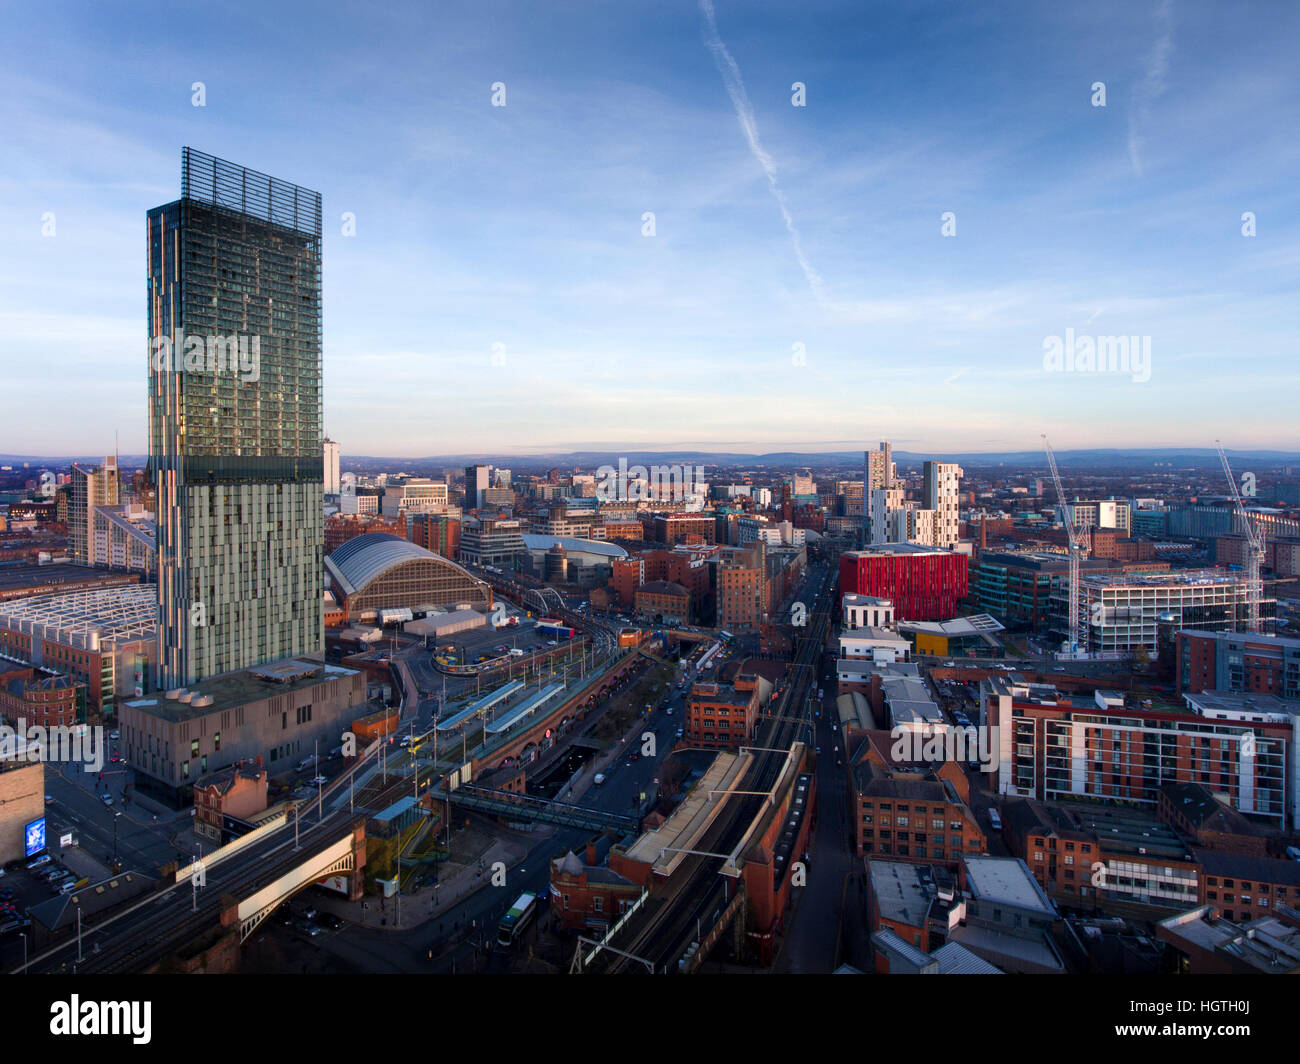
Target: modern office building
(280,713)
(924,583)
(332,485)
(477,481)
(89,486)
(1120,613)
(494,541)
(416,495)
(1238,661)
(235,441)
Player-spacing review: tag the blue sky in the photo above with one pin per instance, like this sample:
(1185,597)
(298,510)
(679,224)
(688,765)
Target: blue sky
(775,225)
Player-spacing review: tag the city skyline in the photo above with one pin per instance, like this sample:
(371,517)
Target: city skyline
(498,253)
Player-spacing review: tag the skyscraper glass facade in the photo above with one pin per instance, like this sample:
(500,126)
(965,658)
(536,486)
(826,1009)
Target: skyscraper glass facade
(235,438)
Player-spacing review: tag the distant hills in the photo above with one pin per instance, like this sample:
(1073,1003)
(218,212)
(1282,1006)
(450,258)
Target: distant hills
(1111,458)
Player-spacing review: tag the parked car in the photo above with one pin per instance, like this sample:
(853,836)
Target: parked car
(38,861)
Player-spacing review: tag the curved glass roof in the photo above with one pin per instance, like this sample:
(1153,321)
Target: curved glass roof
(359,561)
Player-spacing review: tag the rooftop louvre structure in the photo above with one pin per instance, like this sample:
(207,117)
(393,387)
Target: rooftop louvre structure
(235,440)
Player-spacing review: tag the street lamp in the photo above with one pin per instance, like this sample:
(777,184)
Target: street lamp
(116,814)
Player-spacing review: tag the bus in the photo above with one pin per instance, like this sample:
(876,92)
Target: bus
(513,923)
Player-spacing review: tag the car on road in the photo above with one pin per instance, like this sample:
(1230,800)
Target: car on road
(116,759)
(106,798)
(319,781)
(308,928)
(49,798)
(331,921)
(599,778)
(115,735)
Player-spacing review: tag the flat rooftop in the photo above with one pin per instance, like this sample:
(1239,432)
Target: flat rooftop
(1129,831)
(1207,702)
(716,693)
(22,577)
(235,689)
(1005,879)
(902,890)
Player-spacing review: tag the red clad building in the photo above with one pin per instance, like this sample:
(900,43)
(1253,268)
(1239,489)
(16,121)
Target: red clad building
(924,583)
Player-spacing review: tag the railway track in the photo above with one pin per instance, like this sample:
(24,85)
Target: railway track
(669,929)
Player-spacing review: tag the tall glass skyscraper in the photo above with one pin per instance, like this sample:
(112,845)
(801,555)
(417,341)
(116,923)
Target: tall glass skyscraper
(235,444)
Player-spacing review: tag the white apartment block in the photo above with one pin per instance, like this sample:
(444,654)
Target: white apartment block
(1107,514)
(866,611)
(940,485)
(886,505)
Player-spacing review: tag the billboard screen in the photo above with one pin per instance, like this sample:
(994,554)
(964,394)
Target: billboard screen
(34,837)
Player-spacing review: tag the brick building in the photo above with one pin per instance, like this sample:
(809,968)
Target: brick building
(662,601)
(721,715)
(676,528)
(38,698)
(741,593)
(438,532)
(586,894)
(339,528)
(1195,813)
(1056,747)
(911,813)
(1246,888)
(1238,661)
(239,790)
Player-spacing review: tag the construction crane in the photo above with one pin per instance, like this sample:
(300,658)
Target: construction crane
(1076,550)
(1254,548)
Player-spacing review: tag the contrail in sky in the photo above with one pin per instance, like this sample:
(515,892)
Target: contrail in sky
(745,114)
